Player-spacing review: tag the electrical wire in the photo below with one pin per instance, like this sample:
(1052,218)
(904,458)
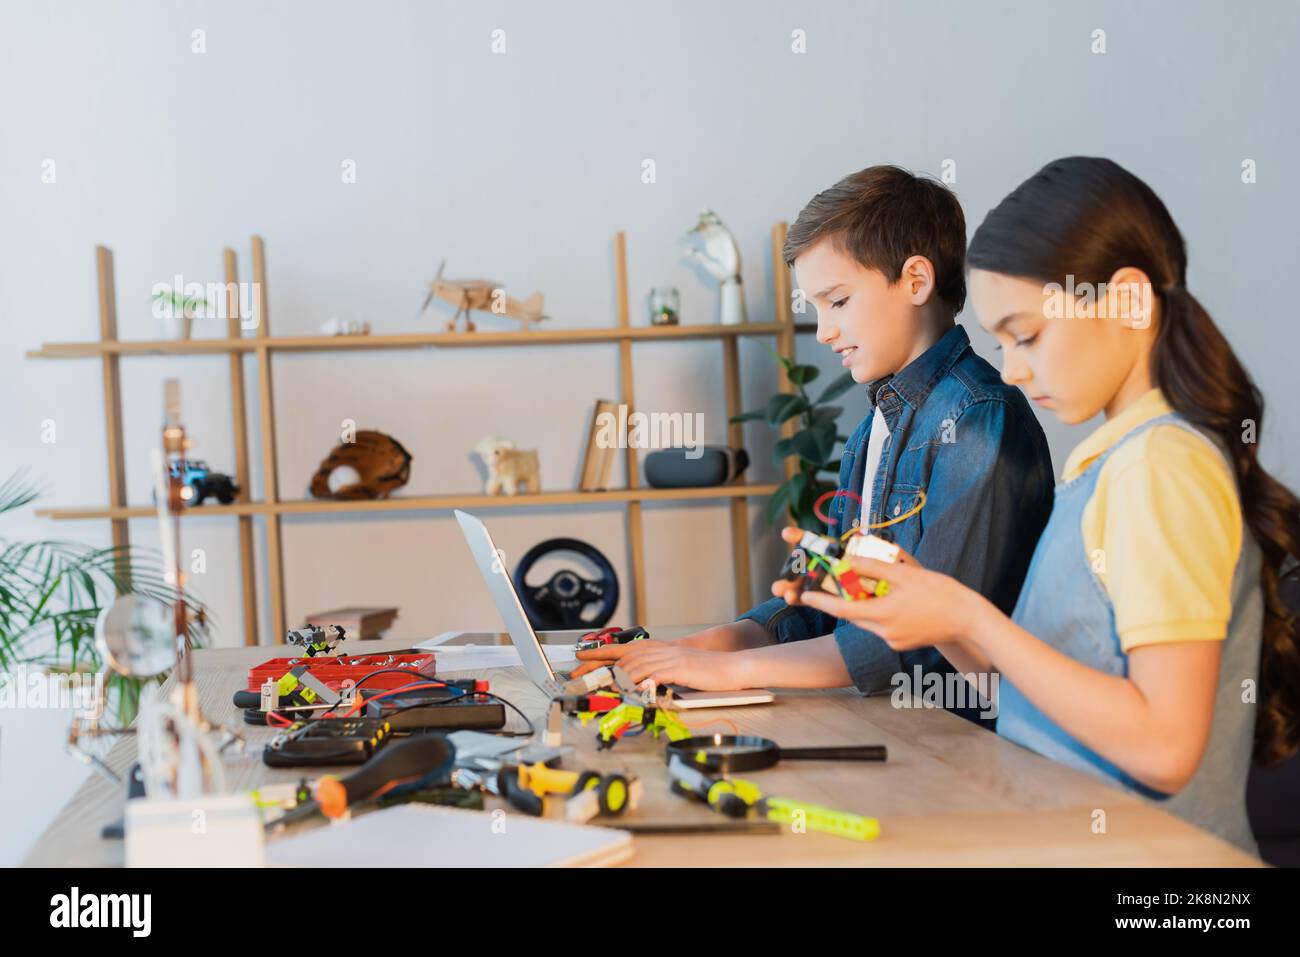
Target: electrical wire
(862,529)
(422,682)
(420,685)
(704,724)
(920,495)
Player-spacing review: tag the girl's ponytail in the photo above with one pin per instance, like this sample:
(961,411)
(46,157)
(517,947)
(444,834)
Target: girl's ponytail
(1201,378)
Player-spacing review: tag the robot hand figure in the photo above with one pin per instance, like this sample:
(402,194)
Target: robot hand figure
(315,640)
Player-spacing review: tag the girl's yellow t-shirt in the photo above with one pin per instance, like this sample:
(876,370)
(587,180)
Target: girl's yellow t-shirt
(1162,529)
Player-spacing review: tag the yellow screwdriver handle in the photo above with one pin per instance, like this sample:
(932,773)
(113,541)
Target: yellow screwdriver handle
(818,818)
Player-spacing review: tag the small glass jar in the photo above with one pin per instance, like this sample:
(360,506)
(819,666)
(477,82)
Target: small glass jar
(664,305)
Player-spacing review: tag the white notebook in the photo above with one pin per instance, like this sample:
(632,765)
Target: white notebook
(425,835)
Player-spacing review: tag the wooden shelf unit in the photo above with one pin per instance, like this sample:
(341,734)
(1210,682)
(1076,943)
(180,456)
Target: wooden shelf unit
(110,350)
(538,337)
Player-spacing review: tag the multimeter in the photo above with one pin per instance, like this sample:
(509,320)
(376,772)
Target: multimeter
(327,742)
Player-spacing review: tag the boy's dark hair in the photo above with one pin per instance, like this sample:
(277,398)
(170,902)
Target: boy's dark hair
(881,216)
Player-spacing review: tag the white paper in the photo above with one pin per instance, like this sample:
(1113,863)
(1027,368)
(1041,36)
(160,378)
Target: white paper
(419,835)
(482,657)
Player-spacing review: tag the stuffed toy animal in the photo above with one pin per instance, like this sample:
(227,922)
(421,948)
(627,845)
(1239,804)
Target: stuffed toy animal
(508,467)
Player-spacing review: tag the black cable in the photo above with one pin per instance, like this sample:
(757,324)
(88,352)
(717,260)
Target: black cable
(532,729)
(418,678)
(397,671)
(515,708)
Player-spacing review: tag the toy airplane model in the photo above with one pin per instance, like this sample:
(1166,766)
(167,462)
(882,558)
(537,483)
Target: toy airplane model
(482,295)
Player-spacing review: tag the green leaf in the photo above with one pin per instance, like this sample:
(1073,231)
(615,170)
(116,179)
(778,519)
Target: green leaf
(803,445)
(778,501)
(785,363)
(783,406)
(802,375)
(51,593)
(792,491)
(801,504)
(781,450)
(749,416)
(810,445)
(823,436)
(16,492)
(837,388)
(807,496)
(800,488)
(826,413)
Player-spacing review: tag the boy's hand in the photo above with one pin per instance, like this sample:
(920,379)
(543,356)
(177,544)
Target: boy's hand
(732,636)
(671,662)
(594,658)
(788,591)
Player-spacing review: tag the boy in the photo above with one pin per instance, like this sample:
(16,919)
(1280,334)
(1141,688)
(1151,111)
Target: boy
(880,256)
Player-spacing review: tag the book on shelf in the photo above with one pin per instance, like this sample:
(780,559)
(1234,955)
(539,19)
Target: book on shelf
(598,462)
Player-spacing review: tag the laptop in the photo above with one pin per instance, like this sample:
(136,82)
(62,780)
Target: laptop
(533,656)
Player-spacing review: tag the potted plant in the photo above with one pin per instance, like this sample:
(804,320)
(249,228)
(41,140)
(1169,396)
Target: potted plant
(51,593)
(176,310)
(813,442)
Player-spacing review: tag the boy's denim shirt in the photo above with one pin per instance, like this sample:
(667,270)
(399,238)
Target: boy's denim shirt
(973,444)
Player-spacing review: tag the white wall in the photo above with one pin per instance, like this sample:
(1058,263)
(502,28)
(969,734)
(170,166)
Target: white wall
(520,167)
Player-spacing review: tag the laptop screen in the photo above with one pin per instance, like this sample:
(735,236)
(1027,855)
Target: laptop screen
(502,589)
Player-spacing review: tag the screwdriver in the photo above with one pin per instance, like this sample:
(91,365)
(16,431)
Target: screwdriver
(418,762)
(414,763)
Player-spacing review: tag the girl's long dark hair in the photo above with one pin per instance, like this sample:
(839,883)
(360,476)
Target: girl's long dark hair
(1087,217)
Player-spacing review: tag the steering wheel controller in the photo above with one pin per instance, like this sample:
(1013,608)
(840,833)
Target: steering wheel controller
(558,602)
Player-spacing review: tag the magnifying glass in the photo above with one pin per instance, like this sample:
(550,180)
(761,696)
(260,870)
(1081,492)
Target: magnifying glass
(134,636)
(730,753)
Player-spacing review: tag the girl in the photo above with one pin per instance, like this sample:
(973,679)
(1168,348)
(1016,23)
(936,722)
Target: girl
(1148,645)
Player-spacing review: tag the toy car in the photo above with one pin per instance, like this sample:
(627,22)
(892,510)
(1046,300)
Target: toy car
(610,636)
(201,482)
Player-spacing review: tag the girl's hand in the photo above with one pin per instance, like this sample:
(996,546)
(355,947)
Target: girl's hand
(923,608)
(670,662)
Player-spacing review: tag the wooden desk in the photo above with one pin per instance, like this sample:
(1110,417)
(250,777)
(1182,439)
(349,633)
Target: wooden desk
(950,794)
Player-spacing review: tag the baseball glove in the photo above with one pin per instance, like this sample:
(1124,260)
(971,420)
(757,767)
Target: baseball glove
(378,459)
